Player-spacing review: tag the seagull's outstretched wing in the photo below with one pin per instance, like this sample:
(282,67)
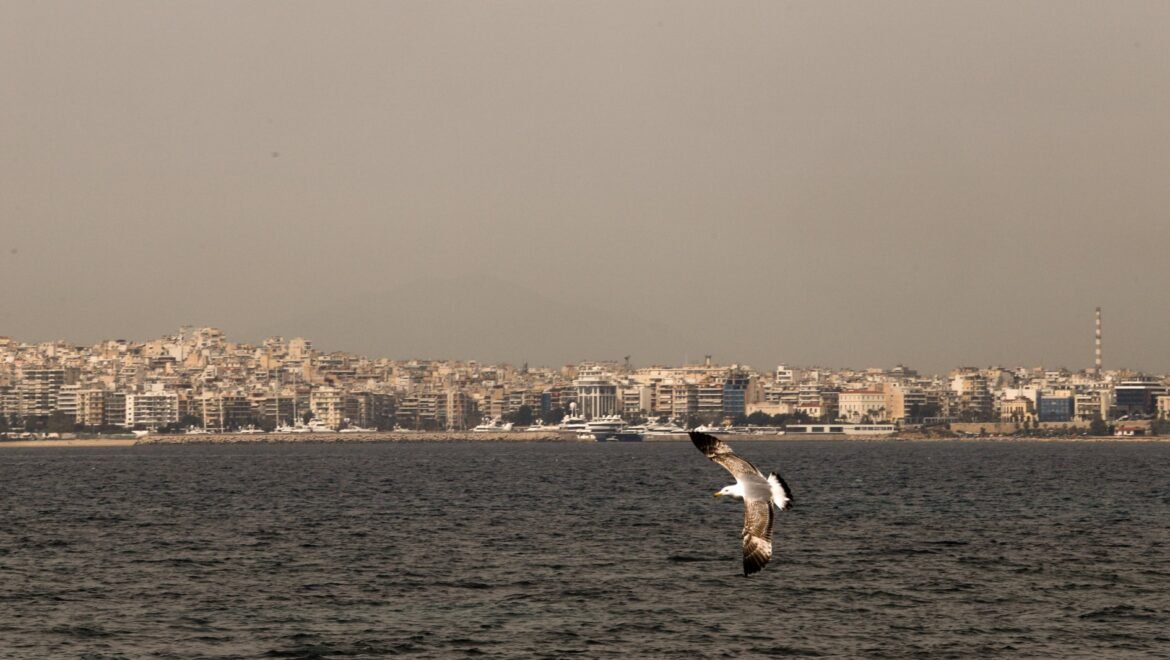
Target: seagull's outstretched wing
(718,451)
(757,535)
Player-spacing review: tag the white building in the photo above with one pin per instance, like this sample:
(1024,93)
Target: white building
(856,404)
(152,409)
(596,395)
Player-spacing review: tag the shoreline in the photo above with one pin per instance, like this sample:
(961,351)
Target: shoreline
(71,442)
(521,436)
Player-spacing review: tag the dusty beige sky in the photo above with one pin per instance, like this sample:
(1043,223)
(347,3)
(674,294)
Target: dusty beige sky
(933,183)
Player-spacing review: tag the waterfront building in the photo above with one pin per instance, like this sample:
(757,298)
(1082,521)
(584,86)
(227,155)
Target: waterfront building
(516,399)
(458,410)
(709,398)
(1019,410)
(420,409)
(115,409)
(67,401)
(769,408)
(9,402)
(1054,408)
(1088,406)
(735,393)
(1137,396)
(814,409)
(91,407)
(676,399)
(596,395)
(493,402)
(151,409)
(894,395)
(972,399)
(1162,405)
(328,406)
(223,412)
(636,400)
(370,409)
(855,405)
(39,391)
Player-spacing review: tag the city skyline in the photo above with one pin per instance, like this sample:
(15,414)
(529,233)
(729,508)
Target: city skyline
(198,377)
(188,331)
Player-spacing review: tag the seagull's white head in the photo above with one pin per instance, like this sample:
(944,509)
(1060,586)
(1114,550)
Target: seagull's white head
(734,490)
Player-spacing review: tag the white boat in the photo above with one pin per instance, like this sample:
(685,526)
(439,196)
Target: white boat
(313,426)
(195,430)
(841,429)
(357,429)
(251,430)
(611,426)
(495,426)
(572,424)
(664,430)
(605,425)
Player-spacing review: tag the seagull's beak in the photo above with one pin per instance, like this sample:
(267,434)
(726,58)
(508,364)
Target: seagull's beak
(718,494)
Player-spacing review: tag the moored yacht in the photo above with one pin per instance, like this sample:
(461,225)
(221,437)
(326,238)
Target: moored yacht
(495,426)
(573,424)
(660,430)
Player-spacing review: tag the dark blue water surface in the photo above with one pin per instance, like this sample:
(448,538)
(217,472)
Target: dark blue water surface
(559,550)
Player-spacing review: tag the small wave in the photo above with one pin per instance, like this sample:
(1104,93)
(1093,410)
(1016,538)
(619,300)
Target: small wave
(1122,612)
(87,632)
(305,652)
(682,559)
(465,584)
(784,650)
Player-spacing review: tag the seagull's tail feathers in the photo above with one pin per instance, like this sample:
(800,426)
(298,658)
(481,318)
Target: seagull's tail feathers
(781,493)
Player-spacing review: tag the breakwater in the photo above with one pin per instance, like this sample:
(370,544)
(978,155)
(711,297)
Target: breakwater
(373,436)
(457,436)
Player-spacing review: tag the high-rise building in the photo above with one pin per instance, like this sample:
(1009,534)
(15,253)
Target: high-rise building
(40,390)
(735,388)
(152,409)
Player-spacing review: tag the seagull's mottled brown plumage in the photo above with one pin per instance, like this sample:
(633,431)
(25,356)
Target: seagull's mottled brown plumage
(761,496)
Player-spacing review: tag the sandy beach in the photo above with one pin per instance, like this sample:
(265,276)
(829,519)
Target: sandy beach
(101,442)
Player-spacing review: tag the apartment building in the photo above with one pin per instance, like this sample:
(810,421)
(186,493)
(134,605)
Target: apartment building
(39,390)
(151,409)
(91,408)
(328,406)
(855,405)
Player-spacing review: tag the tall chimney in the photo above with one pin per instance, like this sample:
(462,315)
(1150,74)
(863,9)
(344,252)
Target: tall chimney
(1098,361)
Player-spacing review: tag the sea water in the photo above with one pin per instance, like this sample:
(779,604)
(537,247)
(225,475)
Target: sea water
(493,549)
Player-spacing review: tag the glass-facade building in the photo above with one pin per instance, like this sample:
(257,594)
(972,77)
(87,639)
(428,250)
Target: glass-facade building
(1056,408)
(735,394)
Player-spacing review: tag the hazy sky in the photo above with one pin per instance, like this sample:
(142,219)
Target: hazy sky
(834,183)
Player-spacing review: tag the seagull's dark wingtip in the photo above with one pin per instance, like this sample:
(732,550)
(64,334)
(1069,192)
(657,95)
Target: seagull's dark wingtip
(704,442)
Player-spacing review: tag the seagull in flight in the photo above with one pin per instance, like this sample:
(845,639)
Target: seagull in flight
(761,497)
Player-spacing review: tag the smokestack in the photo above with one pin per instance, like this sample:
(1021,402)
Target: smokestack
(1098,361)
